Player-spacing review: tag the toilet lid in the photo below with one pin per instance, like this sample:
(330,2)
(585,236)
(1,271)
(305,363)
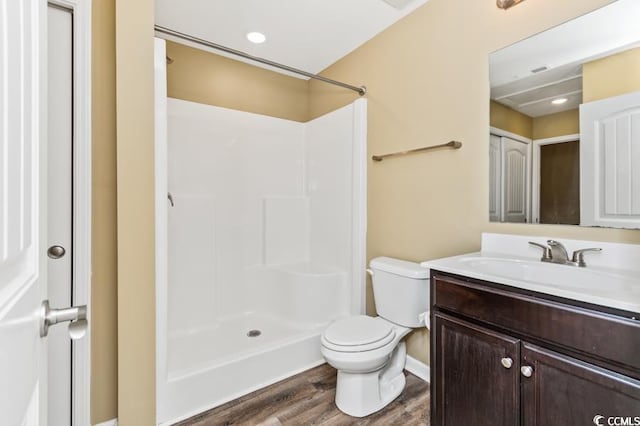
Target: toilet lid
(357,334)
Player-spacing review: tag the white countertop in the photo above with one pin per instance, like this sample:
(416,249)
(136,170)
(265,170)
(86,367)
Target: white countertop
(607,282)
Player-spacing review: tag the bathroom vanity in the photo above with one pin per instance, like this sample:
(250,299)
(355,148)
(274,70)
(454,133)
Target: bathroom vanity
(504,354)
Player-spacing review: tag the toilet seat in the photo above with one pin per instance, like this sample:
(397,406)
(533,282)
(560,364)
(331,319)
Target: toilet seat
(357,334)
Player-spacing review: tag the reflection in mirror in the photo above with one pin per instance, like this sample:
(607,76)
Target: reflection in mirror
(565,123)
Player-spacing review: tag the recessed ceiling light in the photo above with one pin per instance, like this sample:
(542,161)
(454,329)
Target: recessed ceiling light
(559,101)
(256,37)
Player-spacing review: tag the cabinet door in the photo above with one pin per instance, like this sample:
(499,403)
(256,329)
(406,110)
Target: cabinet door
(564,391)
(477,375)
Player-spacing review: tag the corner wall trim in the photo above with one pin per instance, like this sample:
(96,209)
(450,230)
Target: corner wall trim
(112,422)
(418,369)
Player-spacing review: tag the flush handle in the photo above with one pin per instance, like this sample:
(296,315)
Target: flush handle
(506,362)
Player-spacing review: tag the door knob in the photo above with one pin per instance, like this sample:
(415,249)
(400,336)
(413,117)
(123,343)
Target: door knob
(506,362)
(76,315)
(526,370)
(56,252)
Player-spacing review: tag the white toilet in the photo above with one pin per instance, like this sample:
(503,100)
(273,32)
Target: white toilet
(367,351)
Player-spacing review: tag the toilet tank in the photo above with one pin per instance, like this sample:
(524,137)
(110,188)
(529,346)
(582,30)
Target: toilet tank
(400,290)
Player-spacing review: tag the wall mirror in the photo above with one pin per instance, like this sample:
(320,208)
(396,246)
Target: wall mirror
(565,123)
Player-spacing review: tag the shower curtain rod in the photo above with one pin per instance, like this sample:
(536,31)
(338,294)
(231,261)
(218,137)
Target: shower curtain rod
(167,31)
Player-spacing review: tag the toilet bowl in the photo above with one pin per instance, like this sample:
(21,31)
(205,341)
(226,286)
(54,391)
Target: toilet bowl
(368,352)
(369,360)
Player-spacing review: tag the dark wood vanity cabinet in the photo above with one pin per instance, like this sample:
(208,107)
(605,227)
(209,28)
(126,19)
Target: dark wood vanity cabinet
(502,356)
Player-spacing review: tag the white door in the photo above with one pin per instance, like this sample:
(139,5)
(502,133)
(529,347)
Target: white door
(610,162)
(60,225)
(23,208)
(515,177)
(495,179)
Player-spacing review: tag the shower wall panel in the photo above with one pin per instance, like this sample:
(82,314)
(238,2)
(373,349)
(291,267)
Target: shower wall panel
(223,165)
(192,237)
(286,230)
(330,165)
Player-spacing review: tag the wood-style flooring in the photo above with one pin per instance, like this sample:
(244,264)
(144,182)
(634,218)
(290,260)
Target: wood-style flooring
(308,399)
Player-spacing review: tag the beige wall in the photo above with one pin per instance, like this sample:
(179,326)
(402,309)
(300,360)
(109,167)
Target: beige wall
(199,76)
(558,124)
(432,205)
(505,118)
(611,76)
(136,213)
(104,337)
(547,126)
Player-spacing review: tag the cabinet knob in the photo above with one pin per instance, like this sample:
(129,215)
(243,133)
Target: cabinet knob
(506,362)
(526,370)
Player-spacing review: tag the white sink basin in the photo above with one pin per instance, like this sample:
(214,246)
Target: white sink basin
(615,288)
(560,276)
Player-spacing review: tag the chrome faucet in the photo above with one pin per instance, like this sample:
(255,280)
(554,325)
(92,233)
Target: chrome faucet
(558,252)
(555,252)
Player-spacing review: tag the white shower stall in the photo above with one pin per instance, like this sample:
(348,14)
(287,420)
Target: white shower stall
(260,241)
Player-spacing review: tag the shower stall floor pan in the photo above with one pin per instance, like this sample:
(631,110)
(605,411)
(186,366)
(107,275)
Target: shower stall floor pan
(231,340)
(210,367)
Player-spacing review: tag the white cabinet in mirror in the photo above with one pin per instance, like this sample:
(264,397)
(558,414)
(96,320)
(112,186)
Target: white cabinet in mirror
(564,141)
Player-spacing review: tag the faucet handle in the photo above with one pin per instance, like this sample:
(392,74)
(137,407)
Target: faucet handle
(578,255)
(546,253)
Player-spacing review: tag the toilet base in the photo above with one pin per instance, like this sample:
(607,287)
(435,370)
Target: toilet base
(361,394)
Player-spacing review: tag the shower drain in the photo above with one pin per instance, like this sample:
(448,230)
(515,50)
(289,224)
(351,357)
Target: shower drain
(254,333)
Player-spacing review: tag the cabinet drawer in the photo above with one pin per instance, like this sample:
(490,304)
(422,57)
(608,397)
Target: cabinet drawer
(615,340)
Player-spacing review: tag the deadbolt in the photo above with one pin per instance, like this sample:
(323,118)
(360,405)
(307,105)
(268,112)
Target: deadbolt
(56,252)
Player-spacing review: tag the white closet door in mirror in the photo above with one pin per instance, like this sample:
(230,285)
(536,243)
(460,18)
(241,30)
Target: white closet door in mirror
(495,179)
(515,171)
(610,162)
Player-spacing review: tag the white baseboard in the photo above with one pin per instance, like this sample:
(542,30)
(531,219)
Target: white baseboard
(112,422)
(418,369)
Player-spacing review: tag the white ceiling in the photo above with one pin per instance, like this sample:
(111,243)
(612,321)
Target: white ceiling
(562,51)
(532,95)
(305,34)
